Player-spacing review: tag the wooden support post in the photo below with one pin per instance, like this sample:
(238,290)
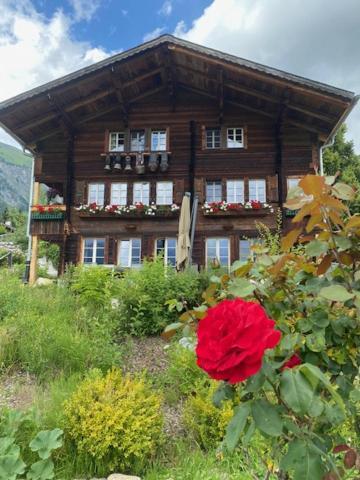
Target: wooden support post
(33,261)
(36,193)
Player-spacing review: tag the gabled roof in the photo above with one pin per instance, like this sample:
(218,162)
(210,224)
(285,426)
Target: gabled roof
(170,62)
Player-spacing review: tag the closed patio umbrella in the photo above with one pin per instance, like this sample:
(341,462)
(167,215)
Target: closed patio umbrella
(183,242)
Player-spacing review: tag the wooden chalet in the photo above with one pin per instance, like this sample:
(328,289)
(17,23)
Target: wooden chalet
(118,144)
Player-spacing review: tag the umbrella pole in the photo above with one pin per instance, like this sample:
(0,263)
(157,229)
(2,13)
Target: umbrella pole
(192,226)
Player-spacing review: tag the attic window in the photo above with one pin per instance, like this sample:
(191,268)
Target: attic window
(116,141)
(235,137)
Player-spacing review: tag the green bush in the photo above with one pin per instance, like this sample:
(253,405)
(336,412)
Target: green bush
(115,420)
(142,295)
(45,331)
(203,420)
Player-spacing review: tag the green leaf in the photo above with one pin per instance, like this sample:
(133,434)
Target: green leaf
(316,248)
(236,426)
(240,287)
(343,191)
(225,391)
(267,418)
(46,441)
(255,382)
(296,391)
(320,318)
(304,459)
(316,407)
(316,341)
(8,447)
(215,279)
(10,467)
(41,470)
(172,326)
(249,432)
(336,293)
(343,243)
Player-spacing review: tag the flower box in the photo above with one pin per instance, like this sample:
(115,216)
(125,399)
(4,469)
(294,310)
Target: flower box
(128,211)
(245,212)
(225,209)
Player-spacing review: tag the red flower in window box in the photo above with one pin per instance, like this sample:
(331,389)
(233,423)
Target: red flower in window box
(232,340)
(234,206)
(255,204)
(292,362)
(40,208)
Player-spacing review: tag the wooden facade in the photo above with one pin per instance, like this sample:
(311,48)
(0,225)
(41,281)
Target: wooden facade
(183,89)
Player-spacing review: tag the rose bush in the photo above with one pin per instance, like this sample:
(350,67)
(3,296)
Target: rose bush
(232,339)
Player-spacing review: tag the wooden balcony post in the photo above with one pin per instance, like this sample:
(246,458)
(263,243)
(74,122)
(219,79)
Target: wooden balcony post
(33,260)
(36,193)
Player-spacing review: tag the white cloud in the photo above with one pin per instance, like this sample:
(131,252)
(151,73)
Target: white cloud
(84,9)
(155,33)
(319,40)
(35,49)
(166,8)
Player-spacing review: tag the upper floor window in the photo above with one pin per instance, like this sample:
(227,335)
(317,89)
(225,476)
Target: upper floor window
(141,193)
(129,254)
(235,191)
(213,136)
(116,141)
(118,194)
(213,191)
(137,140)
(96,193)
(164,193)
(218,249)
(158,140)
(235,137)
(292,182)
(94,251)
(245,251)
(167,248)
(257,190)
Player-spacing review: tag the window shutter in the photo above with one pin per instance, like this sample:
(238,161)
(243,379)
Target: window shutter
(223,137)
(168,139)
(80,192)
(106,141)
(272,187)
(147,139)
(245,137)
(178,190)
(203,137)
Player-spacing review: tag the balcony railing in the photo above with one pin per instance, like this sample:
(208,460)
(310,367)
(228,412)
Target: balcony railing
(48,219)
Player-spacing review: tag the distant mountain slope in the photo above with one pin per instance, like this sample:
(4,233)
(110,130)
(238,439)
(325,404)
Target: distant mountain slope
(15,173)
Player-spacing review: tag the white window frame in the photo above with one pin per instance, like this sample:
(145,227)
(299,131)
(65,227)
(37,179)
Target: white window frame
(235,132)
(161,136)
(212,188)
(122,193)
(135,145)
(166,249)
(217,248)
(164,193)
(94,250)
(119,145)
(235,191)
(256,182)
(96,193)
(143,195)
(213,131)
(130,256)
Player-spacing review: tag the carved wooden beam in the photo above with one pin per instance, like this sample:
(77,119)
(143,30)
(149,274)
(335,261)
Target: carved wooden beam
(220,95)
(120,95)
(64,118)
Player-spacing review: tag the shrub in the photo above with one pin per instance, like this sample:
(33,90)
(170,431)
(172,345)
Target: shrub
(142,295)
(45,331)
(115,420)
(204,421)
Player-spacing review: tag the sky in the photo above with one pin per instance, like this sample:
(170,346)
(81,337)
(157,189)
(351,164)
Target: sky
(44,39)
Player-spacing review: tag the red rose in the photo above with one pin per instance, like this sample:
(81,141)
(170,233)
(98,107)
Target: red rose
(292,362)
(232,339)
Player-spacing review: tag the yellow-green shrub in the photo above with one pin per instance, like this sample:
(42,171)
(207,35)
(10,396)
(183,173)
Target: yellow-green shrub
(115,420)
(206,422)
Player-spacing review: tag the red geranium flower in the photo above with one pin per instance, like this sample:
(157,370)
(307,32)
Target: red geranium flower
(256,205)
(292,362)
(232,339)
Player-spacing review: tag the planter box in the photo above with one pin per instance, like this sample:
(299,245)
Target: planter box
(133,215)
(47,216)
(245,212)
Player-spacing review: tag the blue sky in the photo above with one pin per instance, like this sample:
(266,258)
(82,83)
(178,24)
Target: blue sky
(119,25)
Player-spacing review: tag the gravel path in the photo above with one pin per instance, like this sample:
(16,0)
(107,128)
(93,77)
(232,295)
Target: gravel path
(17,390)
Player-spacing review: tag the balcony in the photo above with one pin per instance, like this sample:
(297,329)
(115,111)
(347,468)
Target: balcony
(48,219)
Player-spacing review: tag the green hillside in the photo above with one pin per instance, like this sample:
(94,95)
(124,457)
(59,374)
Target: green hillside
(15,173)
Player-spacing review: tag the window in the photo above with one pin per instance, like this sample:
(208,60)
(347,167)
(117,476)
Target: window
(137,138)
(118,194)
(292,182)
(257,190)
(116,141)
(218,249)
(167,248)
(158,140)
(94,251)
(213,191)
(141,192)
(130,253)
(212,137)
(235,191)
(235,138)
(164,193)
(96,193)
(245,251)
